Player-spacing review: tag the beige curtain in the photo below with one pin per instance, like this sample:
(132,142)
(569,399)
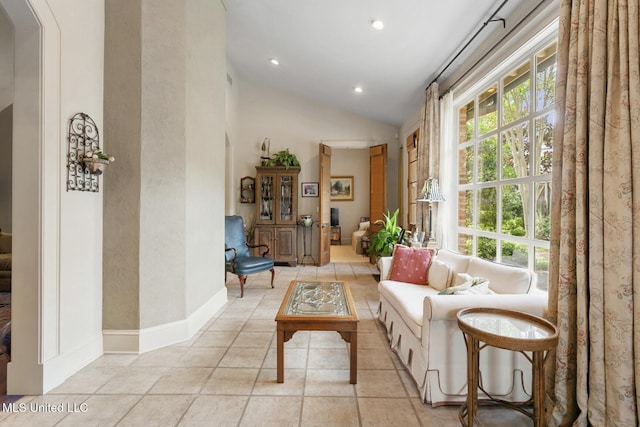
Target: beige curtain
(428,150)
(594,294)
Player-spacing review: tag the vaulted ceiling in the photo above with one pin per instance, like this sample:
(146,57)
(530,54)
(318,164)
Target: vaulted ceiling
(326,48)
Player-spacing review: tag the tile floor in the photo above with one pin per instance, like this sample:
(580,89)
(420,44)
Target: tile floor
(226,374)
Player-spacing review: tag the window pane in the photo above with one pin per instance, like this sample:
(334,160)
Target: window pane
(487,160)
(515,254)
(465,208)
(487,110)
(517,94)
(515,152)
(487,209)
(543,210)
(465,244)
(465,165)
(541,267)
(513,219)
(544,144)
(546,76)
(487,248)
(467,122)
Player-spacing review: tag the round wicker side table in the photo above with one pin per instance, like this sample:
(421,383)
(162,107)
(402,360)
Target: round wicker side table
(509,330)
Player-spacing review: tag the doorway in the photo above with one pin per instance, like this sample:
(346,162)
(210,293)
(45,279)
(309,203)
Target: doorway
(34,190)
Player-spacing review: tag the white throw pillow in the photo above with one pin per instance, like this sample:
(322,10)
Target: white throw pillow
(462,278)
(439,275)
(479,289)
(364,226)
(472,282)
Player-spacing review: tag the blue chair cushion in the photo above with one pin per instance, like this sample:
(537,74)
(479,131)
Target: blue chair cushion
(252,264)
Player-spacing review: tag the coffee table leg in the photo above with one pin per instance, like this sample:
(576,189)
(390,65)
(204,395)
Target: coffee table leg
(280,357)
(353,377)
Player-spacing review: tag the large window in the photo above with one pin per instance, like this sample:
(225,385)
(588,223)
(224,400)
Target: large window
(505,142)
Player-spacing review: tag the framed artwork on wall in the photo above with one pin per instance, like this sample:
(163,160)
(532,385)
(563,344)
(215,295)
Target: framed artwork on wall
(341,188)
(309,189)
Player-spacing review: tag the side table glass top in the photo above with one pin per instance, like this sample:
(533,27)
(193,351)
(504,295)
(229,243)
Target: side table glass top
(318,298)
(507,326)
(508,329)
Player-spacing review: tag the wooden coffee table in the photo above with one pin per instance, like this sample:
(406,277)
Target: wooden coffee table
(318,306)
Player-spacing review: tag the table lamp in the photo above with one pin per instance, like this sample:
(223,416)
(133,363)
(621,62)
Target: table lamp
(431,193)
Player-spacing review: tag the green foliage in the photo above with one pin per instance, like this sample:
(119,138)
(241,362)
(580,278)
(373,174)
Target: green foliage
(284,158)
(543,227)
(514,226)
(383,241)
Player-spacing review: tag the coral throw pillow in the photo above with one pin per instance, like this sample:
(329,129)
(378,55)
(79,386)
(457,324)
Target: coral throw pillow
(411,265)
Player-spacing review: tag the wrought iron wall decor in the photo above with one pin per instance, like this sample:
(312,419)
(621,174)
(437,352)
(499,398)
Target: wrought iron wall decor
(83,141)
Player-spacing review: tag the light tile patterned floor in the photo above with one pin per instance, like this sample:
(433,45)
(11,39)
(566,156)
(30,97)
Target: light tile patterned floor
(226,374)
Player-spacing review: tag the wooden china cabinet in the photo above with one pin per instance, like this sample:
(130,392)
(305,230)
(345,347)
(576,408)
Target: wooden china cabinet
(277,211)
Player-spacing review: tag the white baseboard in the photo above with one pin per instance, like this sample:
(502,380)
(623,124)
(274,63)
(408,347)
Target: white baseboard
(54,371)
(143,340)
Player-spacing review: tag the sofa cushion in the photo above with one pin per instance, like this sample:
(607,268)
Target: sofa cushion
(410,265)
(458,262)
(439,275)
(408,300)
(503,279)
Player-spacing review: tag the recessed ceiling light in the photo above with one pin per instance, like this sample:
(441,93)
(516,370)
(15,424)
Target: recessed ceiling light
(376,24)
(274,61)
(358,89)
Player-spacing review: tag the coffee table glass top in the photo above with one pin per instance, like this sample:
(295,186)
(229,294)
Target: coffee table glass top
(318,298)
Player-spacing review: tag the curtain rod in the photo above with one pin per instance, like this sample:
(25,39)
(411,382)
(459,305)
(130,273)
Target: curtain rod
(515,27)
(487,22)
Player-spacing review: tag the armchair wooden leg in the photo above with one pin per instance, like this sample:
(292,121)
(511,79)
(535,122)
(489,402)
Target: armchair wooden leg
(273,273)
(242,279)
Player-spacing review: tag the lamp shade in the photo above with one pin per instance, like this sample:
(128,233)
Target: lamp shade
(431,191)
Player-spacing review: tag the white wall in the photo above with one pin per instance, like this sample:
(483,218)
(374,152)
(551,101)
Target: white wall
(299,124)
(56,309)
(205,136)
(81,90)
(165,115)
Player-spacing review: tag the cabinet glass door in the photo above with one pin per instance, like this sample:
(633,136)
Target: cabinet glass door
(287,191)
(266,198)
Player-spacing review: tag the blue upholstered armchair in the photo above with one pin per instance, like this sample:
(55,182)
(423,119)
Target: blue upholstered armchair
(238,258)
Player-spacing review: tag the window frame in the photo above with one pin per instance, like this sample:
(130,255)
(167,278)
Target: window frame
(525,53)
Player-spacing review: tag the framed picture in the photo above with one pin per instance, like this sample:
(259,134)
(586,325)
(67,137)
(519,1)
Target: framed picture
(309,189)
(341,188)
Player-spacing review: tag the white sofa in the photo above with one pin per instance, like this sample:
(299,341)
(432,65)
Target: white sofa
(422,327)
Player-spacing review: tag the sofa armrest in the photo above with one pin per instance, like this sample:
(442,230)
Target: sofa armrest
(445,307)
(384,265)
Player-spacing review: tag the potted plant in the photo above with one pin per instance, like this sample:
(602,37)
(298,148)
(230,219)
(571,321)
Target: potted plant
(96,161)
(383,241)
(284,158)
